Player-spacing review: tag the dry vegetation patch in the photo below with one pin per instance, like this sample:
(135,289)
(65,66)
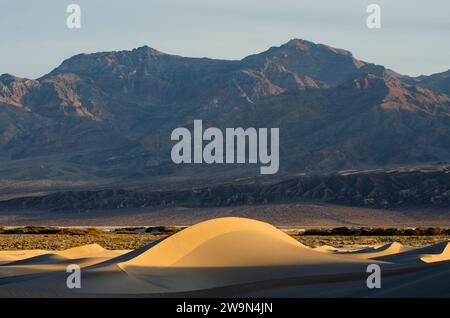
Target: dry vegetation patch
(56,238)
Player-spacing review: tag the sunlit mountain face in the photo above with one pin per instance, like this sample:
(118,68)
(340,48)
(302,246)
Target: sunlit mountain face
(108,116)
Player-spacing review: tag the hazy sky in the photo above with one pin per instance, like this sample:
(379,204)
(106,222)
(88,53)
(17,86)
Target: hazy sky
(414,38)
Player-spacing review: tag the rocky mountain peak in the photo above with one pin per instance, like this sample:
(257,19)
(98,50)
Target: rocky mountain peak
(106,114)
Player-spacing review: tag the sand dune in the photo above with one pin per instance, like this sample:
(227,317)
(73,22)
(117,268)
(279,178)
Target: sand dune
(86,251)
(9,256)
(89,251)
(41,261)
(326,249)
(430,254)
(376,252)
(48,258)
(226,242)
(342,249)
(82,251)
(220,257)
(443,255)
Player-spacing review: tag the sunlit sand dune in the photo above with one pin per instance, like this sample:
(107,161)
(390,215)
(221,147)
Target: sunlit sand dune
(430,254)
(326,249)
(90,250)
(225,242)
(219,257)
(36,261)
(9,256)
(441,255)
(387,249)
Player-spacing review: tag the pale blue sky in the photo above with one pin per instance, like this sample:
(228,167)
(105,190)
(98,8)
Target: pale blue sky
(414,38)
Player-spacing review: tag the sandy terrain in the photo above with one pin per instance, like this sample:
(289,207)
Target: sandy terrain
(228,257)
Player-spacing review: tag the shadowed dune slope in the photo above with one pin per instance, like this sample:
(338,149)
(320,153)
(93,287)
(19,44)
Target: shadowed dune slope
(387,249)
(10,256)
(434,253)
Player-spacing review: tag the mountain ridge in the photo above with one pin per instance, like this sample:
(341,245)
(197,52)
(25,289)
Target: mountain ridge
(378,189)
(108,115)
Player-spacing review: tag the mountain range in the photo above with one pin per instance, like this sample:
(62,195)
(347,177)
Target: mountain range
(108,116)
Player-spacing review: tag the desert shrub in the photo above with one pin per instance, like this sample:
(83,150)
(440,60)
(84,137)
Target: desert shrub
(31,230)
(317,232)
(422,231)
(392,231)
(433,231)
(130,230)
(410,232)
(366,231)
(343,231)
(371,231)
(76,231)
(378,231)
(52,230)
(162,229)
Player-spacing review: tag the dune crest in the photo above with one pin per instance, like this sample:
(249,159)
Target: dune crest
(442,255)
(10,256)
(222,242)
(14,263)
(429,254)
(381,251)
(326,249)
(90,250)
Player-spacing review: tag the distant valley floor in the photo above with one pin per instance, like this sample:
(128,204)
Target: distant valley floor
(285,215)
